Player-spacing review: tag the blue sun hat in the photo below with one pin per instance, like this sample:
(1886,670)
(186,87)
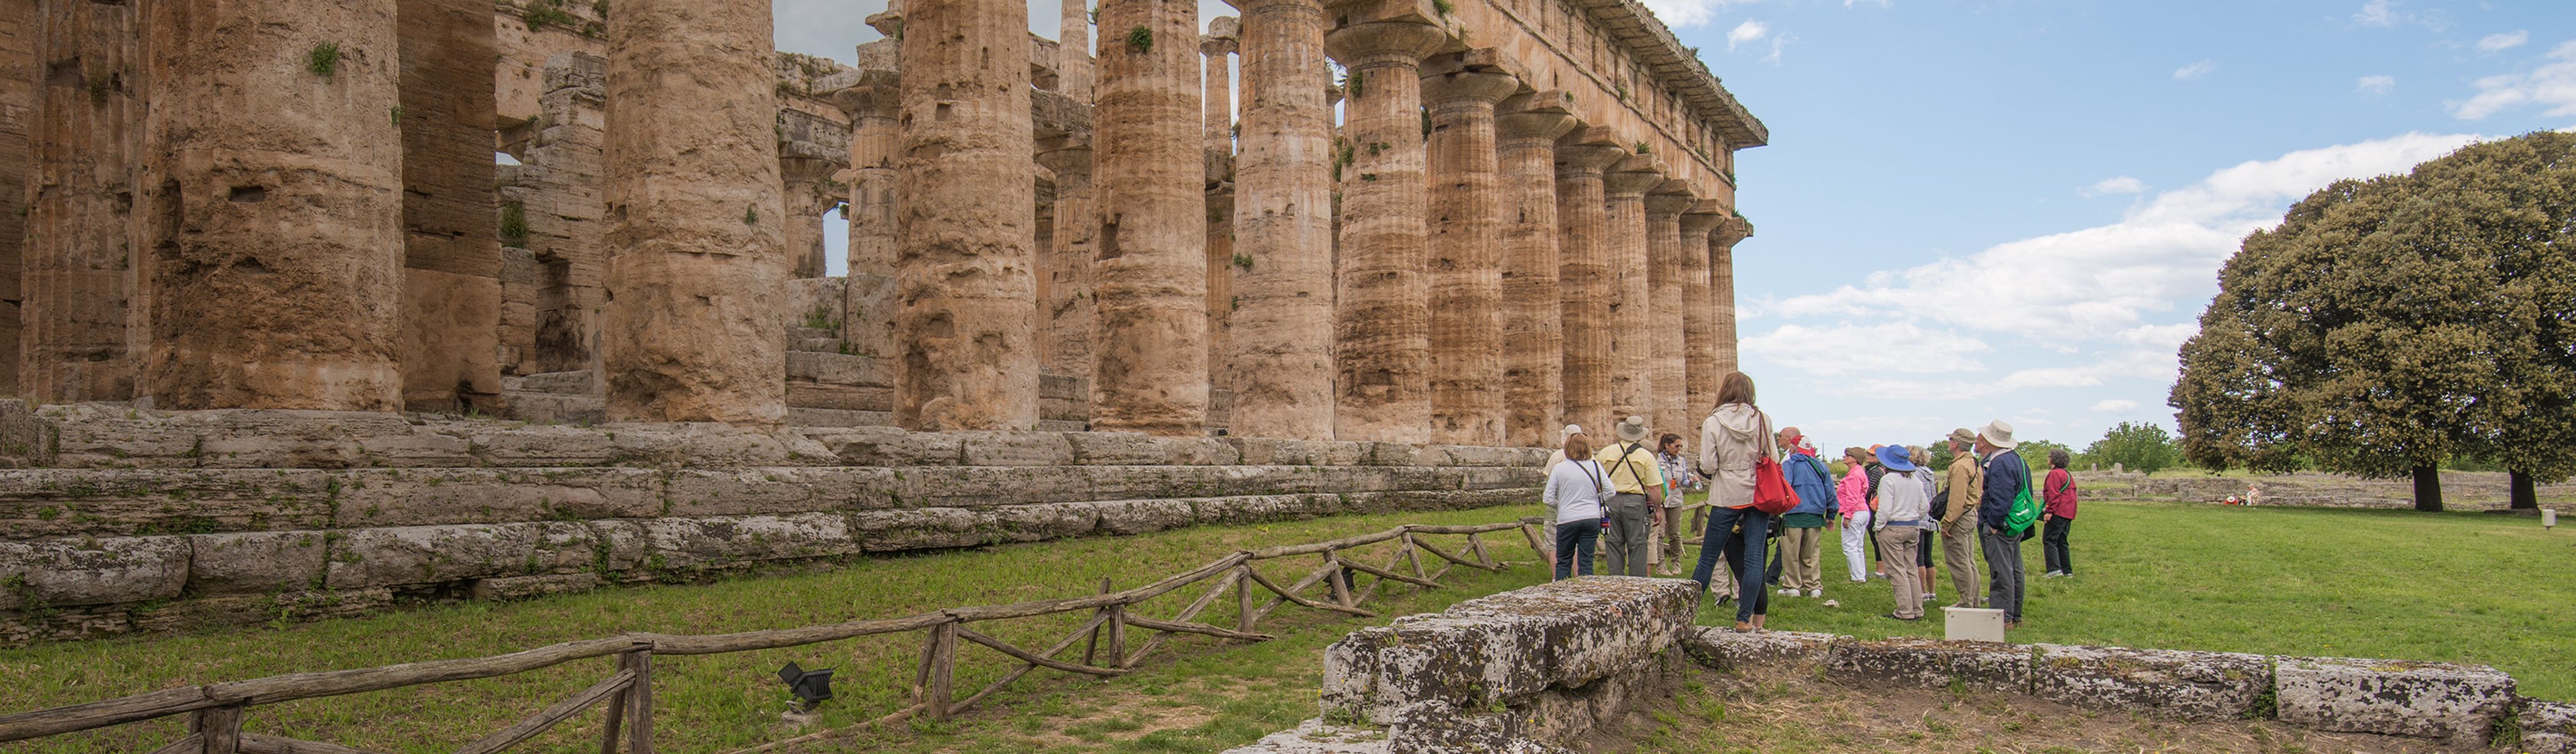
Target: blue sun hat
(1895,458)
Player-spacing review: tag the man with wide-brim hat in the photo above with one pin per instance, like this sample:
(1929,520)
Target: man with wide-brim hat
(2004,478)
(1638,498)
(1964,483)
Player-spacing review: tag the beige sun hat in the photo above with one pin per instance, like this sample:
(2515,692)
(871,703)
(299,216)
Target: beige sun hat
(1570,430)
(1633,430)
(1963,436)
(1998,434)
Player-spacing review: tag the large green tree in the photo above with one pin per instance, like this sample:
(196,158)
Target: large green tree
(2137,446)
(2388,325)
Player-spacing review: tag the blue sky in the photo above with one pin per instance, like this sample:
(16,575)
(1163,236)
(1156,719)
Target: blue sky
(2015,209)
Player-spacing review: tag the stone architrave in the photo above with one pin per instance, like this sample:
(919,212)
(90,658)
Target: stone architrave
(697,264)
(1385,326)
(1064,266)
(1533,343)
(79,265)
(1073,67)
(1218,131)
(1721,273)
(449,347)
(1699,311)
(1665,319)
(1583,271)
(274,213)
(1150,330)
(1279,339)
(1460,90)
(867,306)
(967,358)
(1632,313)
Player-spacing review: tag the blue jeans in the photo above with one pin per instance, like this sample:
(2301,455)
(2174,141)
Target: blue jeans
(1574,542)
(1744,551)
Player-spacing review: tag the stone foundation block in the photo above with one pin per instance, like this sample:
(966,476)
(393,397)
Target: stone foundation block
(238,609)
(36,503)
(256,562)
(888,446)
(1259,508)
(2460,703)
(2548,727)
(1115,449)
(1779,652)
(839,369)
(525,587)
(1140,516)
(427,497)
(403,555)
(2189,685)
(1015,448)
(1032,523)
(824,395)
(91,571)
(984,486)
(916,529)
(1924,663)
(1394,454)
(1197,451)
(1563,714)
(1318,737)
(726,541)
(1504,649)
(25,440)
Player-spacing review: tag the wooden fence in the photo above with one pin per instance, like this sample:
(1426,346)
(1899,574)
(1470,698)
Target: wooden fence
(217,710)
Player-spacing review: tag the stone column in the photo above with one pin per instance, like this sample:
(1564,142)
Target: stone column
(1065,306)
(1699,312)
(79,253)
(1533,343)
(867,307)
(556,198)
(1385,323)
(697,265)
(1150,335)
(1664,322)
(451,300)
(18,85)
(1721,269)
(1073,71)
(1280,333)
(1217,132)
(1583,277)
(965,281)
(807,159)
(275,204)
(1465,270)
(1632,348)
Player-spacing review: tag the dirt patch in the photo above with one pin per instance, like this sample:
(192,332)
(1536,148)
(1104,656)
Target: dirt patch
(1717,712)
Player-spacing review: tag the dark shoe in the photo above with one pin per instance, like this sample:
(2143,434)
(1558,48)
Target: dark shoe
(1893,616)
(1725,598)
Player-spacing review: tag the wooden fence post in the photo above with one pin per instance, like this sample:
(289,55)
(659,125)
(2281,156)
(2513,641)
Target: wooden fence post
(943,671)
(1243,599)
(1091,648)
(638,700)
(218,729)
(1117,625)
(1339,577)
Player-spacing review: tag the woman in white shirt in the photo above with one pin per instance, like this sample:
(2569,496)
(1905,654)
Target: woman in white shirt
(1902,508)
(1574,492)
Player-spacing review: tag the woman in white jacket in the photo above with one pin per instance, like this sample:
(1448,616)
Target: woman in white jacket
(1902,507)
(1574,492)
(1733,438)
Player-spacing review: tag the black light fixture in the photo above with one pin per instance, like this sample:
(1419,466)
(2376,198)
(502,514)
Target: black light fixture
(811,687)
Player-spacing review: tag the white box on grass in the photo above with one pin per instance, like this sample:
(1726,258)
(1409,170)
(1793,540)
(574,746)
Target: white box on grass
(1974,624)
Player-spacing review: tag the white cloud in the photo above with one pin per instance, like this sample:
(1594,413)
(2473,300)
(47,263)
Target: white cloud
(1749,31)
(2505,41)
(2377,84)
(1681,13)
(2195,70)
(1901,348)
(2553,84)
(1779,42)
(2118,185)
(2379,13)
(2115,406)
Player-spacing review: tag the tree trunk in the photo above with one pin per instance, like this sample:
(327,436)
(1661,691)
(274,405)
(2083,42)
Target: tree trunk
(2524,496)
(2428,489)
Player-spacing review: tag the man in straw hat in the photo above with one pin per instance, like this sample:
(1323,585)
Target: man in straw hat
(2003,481)
(1639,499)
(1965,482)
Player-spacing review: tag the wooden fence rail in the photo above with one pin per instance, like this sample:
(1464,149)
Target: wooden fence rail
(217,709)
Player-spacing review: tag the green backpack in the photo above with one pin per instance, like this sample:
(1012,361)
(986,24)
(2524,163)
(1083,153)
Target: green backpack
(2024,511)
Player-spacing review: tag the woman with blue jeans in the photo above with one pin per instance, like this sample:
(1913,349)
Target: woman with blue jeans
(1573,498)
(1733,438)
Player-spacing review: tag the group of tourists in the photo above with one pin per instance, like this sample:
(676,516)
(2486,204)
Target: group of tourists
(1892,509)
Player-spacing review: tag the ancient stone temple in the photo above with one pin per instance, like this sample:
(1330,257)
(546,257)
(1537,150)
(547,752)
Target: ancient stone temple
(545,234)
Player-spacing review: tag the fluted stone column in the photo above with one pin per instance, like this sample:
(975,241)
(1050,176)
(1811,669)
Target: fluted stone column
(1217,131)
(1073,70)
(79,255)
(697,265)
(1664,318)
(18,83)
(1466,266)
(1280,338)
(1385,323)
(449,343)
(1064,267)
(803,172)
(1632,335)
(1533,326)
(867,305)
(1721,268)
(1150,334)
(1699,311)
(275,208)
(1584,285)
(964,280)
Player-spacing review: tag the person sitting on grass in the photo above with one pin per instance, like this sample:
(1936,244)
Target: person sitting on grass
(1902,506)
(1573,498)
(2057,516)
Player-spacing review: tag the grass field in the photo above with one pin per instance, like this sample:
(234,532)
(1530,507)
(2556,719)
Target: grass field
(2463,587)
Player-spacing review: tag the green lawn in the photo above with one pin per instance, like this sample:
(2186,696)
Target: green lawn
(2462,587)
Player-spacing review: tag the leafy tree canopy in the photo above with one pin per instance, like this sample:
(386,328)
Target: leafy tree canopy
(2136,446)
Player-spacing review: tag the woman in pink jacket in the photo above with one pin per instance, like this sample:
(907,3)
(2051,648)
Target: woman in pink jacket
(1853,494)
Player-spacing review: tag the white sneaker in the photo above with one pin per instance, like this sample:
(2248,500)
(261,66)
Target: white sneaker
(1815,592)
(1789,592)
(1928,596)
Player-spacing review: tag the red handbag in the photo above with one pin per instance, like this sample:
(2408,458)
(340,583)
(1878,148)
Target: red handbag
(1771,492)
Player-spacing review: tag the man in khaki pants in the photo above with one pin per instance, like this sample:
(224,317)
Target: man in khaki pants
(1966,482)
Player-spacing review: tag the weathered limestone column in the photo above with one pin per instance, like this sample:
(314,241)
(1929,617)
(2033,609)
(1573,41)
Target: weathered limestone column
(18,68)
(1073,72)
(1217,119)
(867,306)
(1664,322)
(1150,333)
(1217,131)
(1721,268)
(1583,277)
(1064,267)
(1385,323)
(697,265)
(1532,320)
(1699,311)
(806,163)
(1632,336)
(1465,272)
(451,295)
(1280,334)
(275,233)
(556,197)
(965,282)
(79,253)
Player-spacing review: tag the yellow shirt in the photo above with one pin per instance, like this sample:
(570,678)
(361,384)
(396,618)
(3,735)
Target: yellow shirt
(1633,473)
